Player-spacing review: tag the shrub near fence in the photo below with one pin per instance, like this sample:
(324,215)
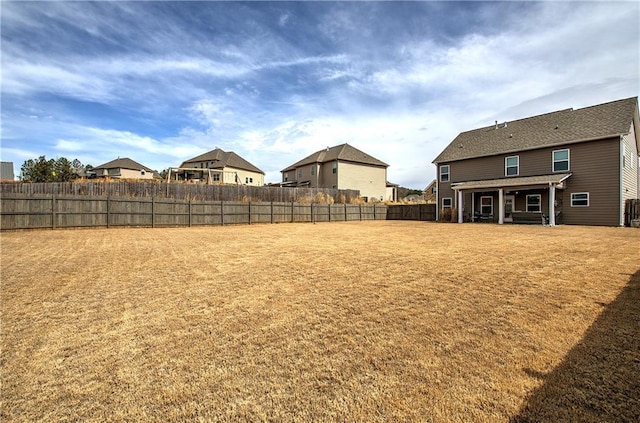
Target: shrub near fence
(182,191)
(42,211)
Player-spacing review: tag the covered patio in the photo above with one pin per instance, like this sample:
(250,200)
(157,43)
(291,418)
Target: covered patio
(511,192)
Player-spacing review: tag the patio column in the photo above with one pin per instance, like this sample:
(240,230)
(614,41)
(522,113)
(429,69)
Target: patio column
(460,206)
(473,206)
(500,206)
(552,205)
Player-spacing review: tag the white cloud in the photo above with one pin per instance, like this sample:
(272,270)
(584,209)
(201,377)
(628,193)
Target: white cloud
(274,95)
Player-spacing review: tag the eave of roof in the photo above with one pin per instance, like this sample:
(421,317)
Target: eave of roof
(518,181)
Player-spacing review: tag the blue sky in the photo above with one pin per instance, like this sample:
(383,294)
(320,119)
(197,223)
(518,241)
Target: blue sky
(161,82)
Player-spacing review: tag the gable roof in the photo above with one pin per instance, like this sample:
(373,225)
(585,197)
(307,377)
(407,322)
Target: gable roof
(343,152)
(223,159)
(556,128)
(124,163)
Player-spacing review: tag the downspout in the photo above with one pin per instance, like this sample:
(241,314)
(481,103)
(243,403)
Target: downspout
(437,194)
(620,183)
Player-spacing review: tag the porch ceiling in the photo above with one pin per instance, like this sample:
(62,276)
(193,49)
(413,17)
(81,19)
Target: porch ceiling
(521,181)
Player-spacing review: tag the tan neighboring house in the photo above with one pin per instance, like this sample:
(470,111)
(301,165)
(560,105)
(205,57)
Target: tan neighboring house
(124,168)
(340,167)
(219,167)
(569,166)
(431,193)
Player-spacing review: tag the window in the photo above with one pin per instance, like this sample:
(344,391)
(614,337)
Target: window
(216,177)
(512,166)
(579,199)
(248,180)
(313,170)
(561,160)
(447,203)
(299,173)
(335,167)
(286,176)
(444,173)
(142,172)
(486,205)
(533,203)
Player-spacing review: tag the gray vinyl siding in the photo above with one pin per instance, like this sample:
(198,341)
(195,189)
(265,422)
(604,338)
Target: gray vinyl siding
(595,168)
(630,171)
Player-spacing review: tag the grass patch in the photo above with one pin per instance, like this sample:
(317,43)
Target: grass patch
(356,321)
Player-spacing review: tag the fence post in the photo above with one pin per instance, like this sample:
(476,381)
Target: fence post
(374,211)
(292,212)
(345,212)
(53,210)
(153,212)
(313,218)
(272,212)
(249,212)
(329,207)
(190,212)
(221,213)
(108,209)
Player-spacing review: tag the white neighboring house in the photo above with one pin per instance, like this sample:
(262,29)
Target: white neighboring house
(124,168)
(340,167)
(219,167)
(6,171)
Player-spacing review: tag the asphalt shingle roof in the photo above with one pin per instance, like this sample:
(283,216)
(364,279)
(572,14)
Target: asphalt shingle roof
(223,159)
(123,163)
(343,152)
(556,128)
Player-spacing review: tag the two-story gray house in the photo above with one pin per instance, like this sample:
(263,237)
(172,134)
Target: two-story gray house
(569,166)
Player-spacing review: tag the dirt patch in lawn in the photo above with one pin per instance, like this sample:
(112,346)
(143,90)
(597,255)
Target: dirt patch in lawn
(359,321)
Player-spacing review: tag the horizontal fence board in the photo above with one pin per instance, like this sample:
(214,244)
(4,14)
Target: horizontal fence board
(41,211)
(424,212)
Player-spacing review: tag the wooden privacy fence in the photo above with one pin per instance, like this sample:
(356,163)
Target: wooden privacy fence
(182,191)
(426,212)
(631,211)
(53,211)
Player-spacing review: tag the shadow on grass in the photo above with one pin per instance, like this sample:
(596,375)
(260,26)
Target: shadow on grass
(599,379)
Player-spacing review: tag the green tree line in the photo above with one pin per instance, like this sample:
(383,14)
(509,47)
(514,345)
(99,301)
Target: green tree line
(60,170)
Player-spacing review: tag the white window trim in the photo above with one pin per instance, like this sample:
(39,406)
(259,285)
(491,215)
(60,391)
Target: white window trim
(579,205)
(489,197)
(450,206)
(517,166)
(448,173)
(539,203)
(554,161)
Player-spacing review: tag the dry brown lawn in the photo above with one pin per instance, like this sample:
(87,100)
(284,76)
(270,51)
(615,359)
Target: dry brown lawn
(358,321)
